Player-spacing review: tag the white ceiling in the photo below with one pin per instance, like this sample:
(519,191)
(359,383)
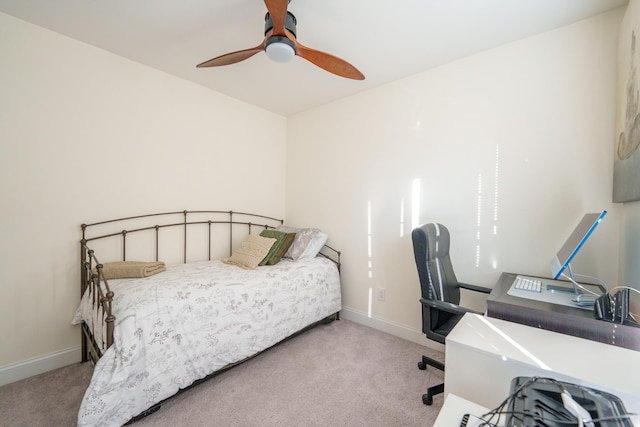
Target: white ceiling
(386,40)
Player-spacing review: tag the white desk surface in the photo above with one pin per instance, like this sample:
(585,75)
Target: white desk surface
(483,354)
(453,410)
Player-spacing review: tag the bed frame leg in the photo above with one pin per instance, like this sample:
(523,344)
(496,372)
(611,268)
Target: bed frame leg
(85,357)
(330,318)
(145,413)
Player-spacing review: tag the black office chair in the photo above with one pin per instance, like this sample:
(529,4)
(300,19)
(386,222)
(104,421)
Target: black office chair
(440,291)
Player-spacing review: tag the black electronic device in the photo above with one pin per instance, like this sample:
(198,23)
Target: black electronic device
(614,308)
(545,402)
(469,420)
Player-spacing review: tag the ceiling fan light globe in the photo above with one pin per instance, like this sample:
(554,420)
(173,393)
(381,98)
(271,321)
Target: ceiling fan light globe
(280,52)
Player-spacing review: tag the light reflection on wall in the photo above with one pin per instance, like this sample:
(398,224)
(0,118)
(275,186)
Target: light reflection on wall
(479,209)
(415,209)
(495,191)
(494,261)
(415,203)
(402,217)
(369,257)
(478,219)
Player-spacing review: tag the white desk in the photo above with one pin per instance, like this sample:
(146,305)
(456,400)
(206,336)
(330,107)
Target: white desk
(484,354)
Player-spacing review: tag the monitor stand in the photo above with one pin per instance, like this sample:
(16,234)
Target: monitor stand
(583,299)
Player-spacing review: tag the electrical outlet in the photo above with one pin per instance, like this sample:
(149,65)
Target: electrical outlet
(381,294)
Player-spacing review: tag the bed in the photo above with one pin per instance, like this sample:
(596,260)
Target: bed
(193,307)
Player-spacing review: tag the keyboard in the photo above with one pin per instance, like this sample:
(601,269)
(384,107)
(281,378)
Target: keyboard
(526,284)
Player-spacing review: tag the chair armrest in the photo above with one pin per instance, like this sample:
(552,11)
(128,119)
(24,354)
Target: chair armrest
(447,306)
(475,288)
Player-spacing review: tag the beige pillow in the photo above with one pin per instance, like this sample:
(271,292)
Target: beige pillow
(250,252)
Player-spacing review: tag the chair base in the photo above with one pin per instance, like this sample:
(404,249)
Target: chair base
(422,365)
(427,398)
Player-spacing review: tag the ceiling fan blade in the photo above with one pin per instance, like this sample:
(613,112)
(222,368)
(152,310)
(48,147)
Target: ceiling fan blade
(233,57)
(278,12)
(328,62)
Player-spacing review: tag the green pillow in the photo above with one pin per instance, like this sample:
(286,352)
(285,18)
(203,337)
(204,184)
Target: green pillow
(280,238)
(284,247)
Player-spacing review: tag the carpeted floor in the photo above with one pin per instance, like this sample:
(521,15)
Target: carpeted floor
(340,374)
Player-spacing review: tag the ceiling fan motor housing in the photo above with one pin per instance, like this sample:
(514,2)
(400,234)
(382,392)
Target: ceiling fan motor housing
(279,41)
(290,23)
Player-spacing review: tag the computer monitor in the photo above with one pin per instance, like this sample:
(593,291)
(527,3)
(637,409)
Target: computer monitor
(577,239)
(560,292)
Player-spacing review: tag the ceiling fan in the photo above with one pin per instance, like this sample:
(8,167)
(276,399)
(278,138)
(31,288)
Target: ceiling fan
(281,45)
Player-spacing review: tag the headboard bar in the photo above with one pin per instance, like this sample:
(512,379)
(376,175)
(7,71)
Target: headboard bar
(124,245)
(175,224)
(230,232)
(184,246)
(157,236)
(184,213)
(92,276)
(229,218)
(333,256)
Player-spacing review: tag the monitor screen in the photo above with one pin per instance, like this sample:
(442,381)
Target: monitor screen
(575,241)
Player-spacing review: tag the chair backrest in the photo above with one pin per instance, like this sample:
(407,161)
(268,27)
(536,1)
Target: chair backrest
(431,252)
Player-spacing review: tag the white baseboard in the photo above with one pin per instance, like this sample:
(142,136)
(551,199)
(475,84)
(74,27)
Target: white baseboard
(390,328)
(38,365)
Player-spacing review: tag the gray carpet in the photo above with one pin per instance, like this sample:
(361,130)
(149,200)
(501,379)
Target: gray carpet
(340,374)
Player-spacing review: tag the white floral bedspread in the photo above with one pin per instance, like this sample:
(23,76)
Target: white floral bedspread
(193,319)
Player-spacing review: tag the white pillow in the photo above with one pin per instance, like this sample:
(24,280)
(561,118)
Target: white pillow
(315,244)
(307,243)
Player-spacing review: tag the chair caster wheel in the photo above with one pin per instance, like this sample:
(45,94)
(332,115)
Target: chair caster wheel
(422,366)
(426,399)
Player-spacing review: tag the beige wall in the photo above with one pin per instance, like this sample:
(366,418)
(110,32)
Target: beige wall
(86,136)
(511,147)
(630,225)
